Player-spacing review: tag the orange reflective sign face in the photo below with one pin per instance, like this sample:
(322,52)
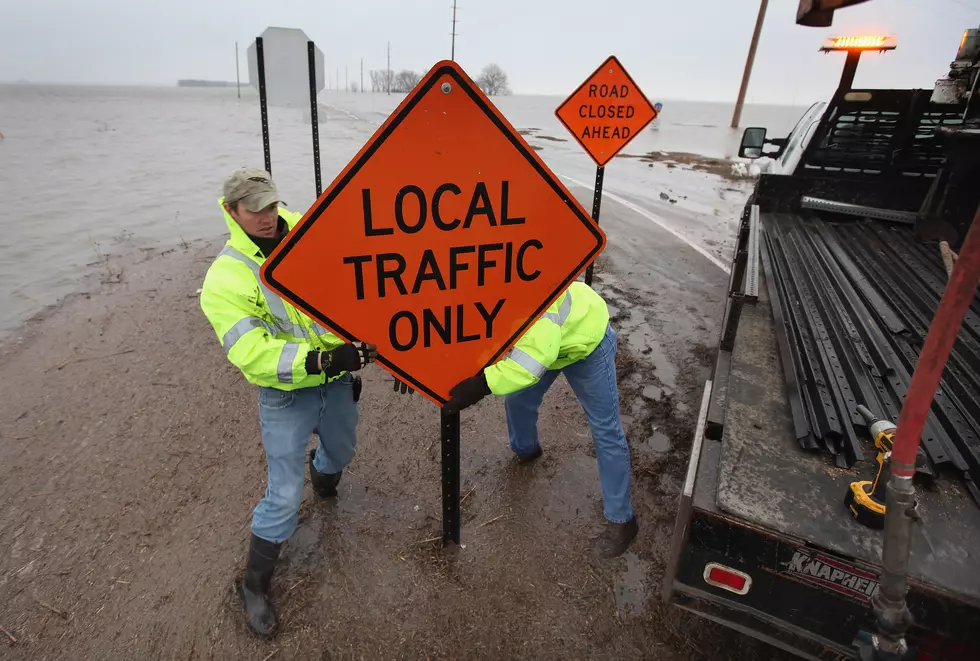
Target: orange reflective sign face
(441,242)
(606,111)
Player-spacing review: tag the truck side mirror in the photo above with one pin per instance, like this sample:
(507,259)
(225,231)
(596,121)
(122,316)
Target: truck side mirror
(752,142)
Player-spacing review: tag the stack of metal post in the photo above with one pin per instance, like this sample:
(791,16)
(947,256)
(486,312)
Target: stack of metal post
(852,301)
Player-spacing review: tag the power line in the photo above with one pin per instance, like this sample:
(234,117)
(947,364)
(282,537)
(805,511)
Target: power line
(452,55)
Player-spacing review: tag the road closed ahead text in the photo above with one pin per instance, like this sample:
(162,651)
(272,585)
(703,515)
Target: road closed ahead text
(459,263)
(607,103)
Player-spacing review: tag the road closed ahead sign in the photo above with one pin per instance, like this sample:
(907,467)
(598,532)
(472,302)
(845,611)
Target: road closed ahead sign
(606,111)
(441,241)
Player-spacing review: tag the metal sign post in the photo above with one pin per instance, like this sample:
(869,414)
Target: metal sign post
(449,425)
(596,203)
(314,120)
(260,59)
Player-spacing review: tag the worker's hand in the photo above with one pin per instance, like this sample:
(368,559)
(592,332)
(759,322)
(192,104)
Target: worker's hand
(347,358)
(402,387)
(468,392)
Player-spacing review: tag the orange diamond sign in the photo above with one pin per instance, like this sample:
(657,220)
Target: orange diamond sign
(441,241)
(606,111)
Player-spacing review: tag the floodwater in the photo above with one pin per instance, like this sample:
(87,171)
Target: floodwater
(91,173)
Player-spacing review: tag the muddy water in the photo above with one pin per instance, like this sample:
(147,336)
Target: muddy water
(93,173)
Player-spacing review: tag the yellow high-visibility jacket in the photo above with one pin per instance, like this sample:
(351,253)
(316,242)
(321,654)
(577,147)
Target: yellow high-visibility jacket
(262,335)
(566,333)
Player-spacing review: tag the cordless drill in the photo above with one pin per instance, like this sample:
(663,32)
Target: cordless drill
(865,500)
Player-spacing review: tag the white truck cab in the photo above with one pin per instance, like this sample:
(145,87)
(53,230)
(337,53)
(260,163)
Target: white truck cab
(786,158)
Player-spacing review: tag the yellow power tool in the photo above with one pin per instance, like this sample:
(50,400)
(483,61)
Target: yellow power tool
(865,500)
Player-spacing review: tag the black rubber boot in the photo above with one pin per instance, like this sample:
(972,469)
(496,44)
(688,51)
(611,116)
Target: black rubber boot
(324,484)
(521,459)
(262,558)
(617,538)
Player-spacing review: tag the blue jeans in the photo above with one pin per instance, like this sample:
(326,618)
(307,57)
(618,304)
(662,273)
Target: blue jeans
(288,419)
(593,379)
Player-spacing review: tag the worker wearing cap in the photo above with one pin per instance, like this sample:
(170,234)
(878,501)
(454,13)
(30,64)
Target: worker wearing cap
(304,374)
(573,337)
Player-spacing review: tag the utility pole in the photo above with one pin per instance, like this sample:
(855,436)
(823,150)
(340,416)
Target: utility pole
(362,75)
(336,79)
(748,63)
(388,72)
(238,77)
(452,55)
(346,80)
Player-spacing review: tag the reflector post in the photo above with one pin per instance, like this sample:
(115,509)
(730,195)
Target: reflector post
(726,578)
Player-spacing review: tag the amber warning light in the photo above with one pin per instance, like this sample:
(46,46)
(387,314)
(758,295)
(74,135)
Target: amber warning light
(866,42)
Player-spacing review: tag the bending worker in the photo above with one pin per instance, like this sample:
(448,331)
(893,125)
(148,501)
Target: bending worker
(302,370)
(573,337)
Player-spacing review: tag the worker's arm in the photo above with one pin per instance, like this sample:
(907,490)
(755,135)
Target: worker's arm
(527,361)
(248,340)
(524,366)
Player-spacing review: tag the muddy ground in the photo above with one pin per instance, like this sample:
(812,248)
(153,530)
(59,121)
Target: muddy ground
(130,461)
(721,167)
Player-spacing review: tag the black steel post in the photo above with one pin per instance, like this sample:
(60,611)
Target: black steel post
(314,120)
(449,427)
(850,68)
(260,61)
(596,204)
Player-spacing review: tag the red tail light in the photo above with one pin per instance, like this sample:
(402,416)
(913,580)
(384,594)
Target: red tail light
(727,578)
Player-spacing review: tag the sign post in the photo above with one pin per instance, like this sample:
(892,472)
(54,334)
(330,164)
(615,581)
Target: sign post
(449,424)
(603,114)
(442,241)
(263,105)
(314,119)
(596,204)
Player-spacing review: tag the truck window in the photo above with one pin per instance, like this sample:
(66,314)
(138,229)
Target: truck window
(795,137)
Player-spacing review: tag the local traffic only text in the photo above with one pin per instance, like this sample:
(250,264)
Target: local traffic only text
(607,103)
(457,264)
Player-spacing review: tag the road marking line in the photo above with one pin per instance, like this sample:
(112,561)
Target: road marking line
(656,221)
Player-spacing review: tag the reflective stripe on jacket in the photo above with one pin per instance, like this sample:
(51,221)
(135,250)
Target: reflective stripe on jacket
(262,335)
(566,333)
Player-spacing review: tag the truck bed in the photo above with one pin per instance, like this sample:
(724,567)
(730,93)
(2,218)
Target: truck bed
(759,474)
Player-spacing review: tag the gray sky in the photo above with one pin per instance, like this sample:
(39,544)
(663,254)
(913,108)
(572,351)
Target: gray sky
(691,49)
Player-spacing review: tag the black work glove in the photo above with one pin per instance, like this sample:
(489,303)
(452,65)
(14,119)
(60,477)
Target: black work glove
(468,392)
(402,387)
(347,358)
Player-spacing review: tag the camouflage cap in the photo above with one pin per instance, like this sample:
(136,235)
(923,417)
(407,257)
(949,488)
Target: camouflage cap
(253,187)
